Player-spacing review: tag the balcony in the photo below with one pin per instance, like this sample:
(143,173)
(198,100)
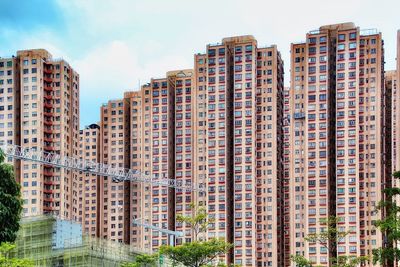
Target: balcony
(48,97)
(47,182)
(47,198)
(47,191)
(48,88)
(47,208)
(48,131)
(47,70)
(49,148)
(48,172)
(48,79)
(48,122)
(48,105)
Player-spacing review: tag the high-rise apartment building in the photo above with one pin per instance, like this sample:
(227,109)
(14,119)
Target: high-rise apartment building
(394,77)
(274,162)
(391,87)
(218,127)
(239,146)
(39,108)
(161,144)
(141,160)
(338,150)
(114,199)
(85,189)
(9,102)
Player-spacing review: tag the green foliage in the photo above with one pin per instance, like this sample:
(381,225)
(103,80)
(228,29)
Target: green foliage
(389,254)
(222,264)
(199,222)
(5,259)
(329,238)
(196,253)
(10,202)
(347,261)
(142,261)
(300,261)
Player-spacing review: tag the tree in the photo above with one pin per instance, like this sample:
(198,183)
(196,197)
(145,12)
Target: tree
(329,239)
(199,222)
(142,261)
(389,254)
(6,260)
(10,202)
(301,261)
(196,253)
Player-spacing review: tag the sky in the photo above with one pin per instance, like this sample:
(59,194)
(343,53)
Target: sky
(116,45)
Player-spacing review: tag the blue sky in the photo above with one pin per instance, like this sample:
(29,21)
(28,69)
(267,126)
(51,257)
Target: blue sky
(116,44)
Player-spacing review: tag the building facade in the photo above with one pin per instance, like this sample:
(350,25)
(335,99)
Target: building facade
(391,88)
(85,189)
(218,127)
(274,162)
(239,147)
(394,77)
(9,103)
(114,199)
(40,106)
(336,139)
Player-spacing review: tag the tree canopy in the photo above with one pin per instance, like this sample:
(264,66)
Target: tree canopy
(6,259)
(143,261)
(329,238)
(389,253)
(196,253)
(10,202)
(199,222)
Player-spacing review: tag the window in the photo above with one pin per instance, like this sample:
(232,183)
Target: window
(312,50)
(352,45)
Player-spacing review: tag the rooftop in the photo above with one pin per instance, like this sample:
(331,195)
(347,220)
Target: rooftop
(35,52)
(338,27)
(181,73)
(239,39)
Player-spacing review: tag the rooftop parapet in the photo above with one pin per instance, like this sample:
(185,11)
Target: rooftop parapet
(43,53)
(239,39)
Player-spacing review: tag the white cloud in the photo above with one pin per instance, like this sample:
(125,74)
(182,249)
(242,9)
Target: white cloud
(113,44)
(111,69)
(117,66)
(41,38)
(106,67)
